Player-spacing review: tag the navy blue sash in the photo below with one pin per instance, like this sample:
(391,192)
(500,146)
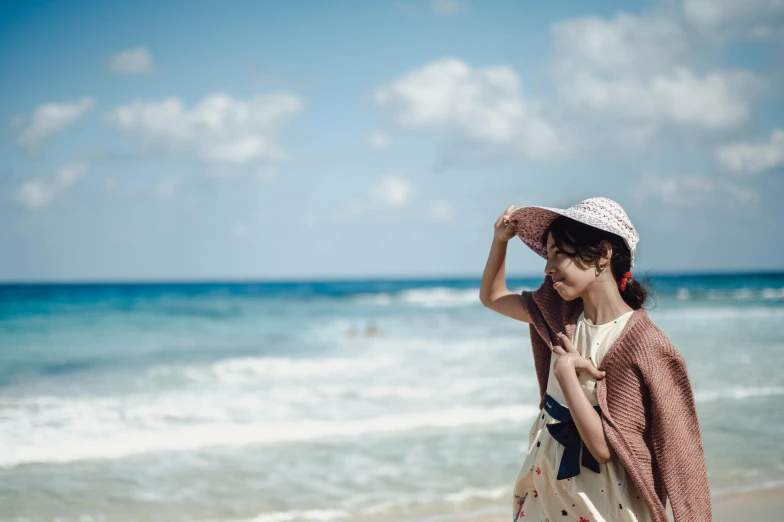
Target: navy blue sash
(566,433)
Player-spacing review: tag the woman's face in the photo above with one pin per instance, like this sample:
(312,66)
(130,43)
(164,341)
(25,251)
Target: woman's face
(571,278)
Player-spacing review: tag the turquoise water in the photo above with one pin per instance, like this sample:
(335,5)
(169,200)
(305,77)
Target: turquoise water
(252,402)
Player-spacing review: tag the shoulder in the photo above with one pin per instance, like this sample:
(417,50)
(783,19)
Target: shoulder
(649,343)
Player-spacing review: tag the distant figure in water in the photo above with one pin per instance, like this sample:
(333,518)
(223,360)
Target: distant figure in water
(371,331)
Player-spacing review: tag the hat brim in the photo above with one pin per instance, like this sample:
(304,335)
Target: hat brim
(531,224)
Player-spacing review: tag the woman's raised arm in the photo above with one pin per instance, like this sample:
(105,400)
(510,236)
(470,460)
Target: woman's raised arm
(493,292)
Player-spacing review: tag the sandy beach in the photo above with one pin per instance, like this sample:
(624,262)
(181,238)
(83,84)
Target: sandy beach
(758,506)
(761,505)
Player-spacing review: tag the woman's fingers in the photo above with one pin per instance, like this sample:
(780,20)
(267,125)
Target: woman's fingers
(503,222)
(586,365)
(594,372)
(568,346)
(580,363)
(504,217)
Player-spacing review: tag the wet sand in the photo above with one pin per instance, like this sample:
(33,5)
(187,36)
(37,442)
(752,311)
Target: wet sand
(765,505)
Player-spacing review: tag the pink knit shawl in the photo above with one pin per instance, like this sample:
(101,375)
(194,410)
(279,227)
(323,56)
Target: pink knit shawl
(646,400)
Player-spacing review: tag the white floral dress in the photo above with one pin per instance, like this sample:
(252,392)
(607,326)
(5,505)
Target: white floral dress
(581,494)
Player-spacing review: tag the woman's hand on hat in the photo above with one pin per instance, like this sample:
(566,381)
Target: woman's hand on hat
(504,228)
(570,360)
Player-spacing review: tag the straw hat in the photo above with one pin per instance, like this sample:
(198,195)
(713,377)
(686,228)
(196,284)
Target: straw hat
(602,213)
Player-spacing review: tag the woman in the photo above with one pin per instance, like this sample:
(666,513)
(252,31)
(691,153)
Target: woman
(617,434)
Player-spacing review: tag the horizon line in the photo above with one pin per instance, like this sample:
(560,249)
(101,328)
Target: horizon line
(351,279)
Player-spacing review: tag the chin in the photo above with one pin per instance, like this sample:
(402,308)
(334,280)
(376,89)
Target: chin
(566,296)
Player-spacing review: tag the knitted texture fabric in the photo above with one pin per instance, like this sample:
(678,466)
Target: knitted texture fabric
(647,405)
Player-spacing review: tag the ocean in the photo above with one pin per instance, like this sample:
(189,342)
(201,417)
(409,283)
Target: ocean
(316,401)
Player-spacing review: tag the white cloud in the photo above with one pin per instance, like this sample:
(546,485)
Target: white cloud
(485,106)
(219,129)
(51,118)
(132,61)
(447,6)
(714,101)
(38,193)
(695,191)
(440,211)
(640,71)
(625,45)
(378,140)
(753,157)
(391,191)
(70,174)
(388,192)
(757,19)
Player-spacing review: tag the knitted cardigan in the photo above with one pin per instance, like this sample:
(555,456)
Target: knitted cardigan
(646,400)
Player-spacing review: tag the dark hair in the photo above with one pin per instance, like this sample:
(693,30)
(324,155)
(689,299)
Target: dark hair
(583,242)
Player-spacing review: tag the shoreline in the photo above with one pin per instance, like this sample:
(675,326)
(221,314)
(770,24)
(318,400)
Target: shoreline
(765,504)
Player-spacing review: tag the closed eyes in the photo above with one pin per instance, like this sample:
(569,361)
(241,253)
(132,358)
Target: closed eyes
(557,251)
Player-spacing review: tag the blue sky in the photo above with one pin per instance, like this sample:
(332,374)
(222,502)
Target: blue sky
(334,139)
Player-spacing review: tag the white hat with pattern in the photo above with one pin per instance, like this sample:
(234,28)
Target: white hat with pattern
(602,213)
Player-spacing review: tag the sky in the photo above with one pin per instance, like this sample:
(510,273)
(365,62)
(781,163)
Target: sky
(348,139)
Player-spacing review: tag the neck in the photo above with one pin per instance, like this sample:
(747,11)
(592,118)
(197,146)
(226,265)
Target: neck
(602,303)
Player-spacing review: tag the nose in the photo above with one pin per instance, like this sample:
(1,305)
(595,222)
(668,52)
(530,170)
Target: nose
(549,269)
